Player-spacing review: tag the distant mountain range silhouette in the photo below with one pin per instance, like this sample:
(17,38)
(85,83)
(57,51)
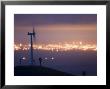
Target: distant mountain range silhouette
(38,71)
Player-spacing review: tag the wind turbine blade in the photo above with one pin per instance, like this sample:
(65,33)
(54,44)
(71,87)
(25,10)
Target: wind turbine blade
(33,32)
(34,35)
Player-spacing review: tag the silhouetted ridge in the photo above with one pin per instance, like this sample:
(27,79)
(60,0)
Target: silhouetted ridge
(38,71)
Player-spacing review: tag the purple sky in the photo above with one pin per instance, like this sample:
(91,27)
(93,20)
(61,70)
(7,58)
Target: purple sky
(56,27)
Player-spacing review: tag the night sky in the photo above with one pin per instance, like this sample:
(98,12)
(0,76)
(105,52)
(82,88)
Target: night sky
(56,27)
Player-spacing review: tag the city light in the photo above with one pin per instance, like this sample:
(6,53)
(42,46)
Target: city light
(58,47)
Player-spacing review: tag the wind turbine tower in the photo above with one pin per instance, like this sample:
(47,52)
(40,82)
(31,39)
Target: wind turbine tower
(32,35)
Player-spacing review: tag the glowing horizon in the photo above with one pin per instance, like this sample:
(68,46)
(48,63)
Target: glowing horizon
(58,46)
(55,27)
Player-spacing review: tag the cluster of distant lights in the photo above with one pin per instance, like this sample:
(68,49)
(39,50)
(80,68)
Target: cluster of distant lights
(46,58)
(58,47)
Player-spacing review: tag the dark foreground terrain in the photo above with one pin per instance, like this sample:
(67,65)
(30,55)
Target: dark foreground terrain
(38,71)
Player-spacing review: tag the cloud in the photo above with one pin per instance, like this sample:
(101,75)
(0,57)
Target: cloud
(81,27)
(62,27)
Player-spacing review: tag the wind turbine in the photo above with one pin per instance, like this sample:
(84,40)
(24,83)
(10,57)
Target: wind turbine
(32,36)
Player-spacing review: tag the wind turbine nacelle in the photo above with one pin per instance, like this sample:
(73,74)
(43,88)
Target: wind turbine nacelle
(31,33)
